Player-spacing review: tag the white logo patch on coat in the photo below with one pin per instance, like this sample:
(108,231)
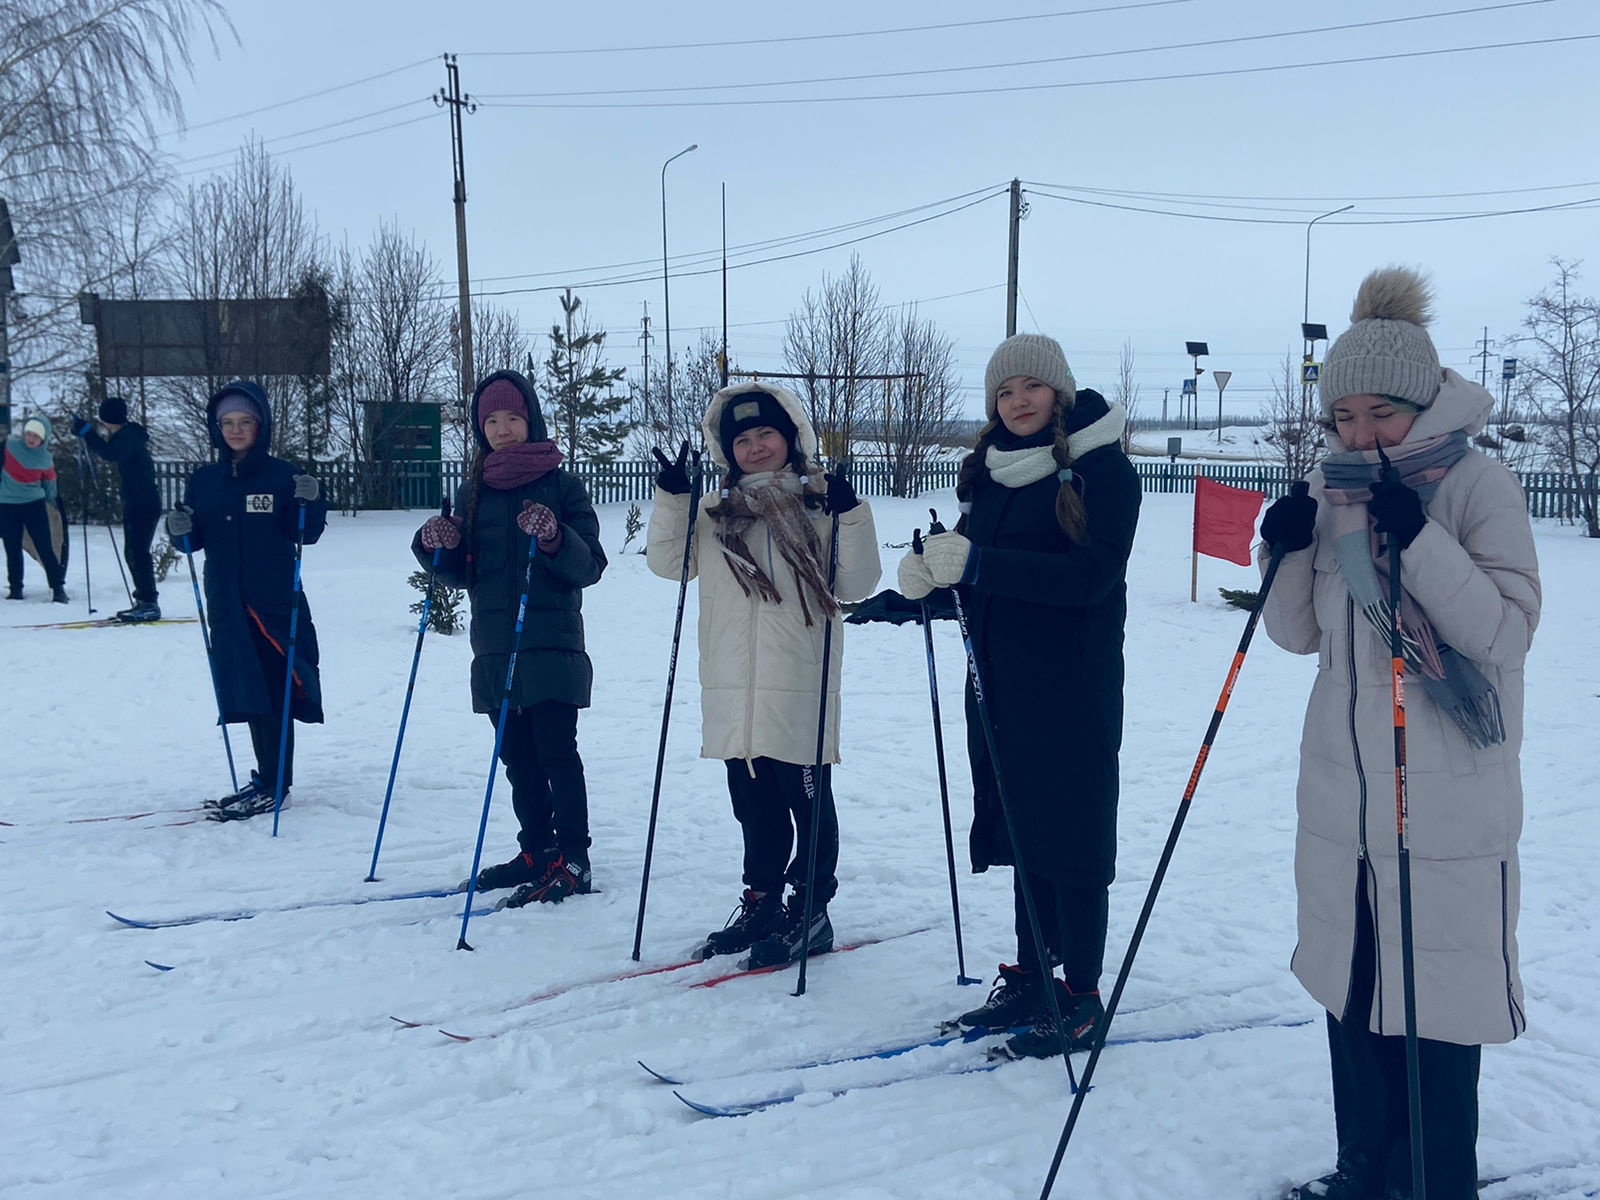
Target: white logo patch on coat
(258,502)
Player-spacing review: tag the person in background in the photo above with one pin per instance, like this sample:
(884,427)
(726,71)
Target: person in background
(127,443)
(27,488)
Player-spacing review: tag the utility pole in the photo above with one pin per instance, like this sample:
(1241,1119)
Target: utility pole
(1165,392)
(451,97)
(722,359)
(645,338)
(8,258)
(1483,356)
(1018,209)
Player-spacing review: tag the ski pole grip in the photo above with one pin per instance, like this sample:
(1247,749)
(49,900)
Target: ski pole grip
(916,541)
(1301,488)
(444,507)
(935,527)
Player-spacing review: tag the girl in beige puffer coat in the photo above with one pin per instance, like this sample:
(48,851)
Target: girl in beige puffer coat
(1470,605)
(761,553)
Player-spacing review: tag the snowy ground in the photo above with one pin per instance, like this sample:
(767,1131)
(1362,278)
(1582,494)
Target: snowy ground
(265,1064)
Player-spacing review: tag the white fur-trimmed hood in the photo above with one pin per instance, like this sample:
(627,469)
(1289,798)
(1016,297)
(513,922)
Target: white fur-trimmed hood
(711,423)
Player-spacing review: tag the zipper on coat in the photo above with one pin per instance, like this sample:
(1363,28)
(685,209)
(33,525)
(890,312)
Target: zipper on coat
(1361,831)
(1519,1021)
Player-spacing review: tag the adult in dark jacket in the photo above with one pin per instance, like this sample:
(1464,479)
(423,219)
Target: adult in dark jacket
(127,443)
(1040,557)
(244,513)
(516,493)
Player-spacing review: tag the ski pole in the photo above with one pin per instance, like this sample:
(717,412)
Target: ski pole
(405,709)
(88,591)
(211,661)
(1011,828)
(815,783)
(944,788)
(499,737)
(1402,830)
(1300,489)
(666,707)
(94,481)
(288,670)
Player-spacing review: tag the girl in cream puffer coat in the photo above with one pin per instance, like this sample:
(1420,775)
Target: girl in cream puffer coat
(761,553)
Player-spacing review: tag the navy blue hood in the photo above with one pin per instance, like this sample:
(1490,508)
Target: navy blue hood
(253,393)
(537,430)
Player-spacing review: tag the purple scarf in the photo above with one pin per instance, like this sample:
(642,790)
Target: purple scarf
(510,468)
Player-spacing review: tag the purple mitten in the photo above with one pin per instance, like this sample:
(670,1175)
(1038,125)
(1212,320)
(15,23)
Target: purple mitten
(537,521)
(441,533)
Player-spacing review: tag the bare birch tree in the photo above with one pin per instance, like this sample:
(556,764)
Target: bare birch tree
(835,337)
(1291,418)
(1126,393)
(1561,354)
(911,416)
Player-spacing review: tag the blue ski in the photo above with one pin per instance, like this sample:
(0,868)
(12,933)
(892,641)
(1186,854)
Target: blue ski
(741,1108)
(245,914)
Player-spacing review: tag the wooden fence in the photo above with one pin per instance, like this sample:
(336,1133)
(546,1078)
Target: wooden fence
(360,485)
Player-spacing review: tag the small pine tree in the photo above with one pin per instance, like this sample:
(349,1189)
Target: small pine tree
(1239,598)
(591,421)
(634,524)
(445,615)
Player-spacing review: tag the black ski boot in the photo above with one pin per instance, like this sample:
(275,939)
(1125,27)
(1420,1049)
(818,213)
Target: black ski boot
(249,801)
(561,877)
(755,918)
(144,610)
(15,593)
(1017,999)
(1352,1179)
(792,941)
(58,595)
(521,869)
(1080,1013)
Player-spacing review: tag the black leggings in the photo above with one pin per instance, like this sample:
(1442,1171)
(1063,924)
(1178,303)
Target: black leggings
(548,792)
(772,801)
(1073,922)
(267,729)
(138,531)
(1370,1098)
(35,518)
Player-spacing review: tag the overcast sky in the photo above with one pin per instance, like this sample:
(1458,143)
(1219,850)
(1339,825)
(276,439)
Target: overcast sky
(565,150)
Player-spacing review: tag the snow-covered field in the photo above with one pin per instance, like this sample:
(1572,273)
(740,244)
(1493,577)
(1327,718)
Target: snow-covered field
(265,1063)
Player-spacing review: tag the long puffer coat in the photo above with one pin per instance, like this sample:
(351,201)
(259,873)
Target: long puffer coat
(245,519)
(552,662)
(760,664)
(1046,618)
(1473,570)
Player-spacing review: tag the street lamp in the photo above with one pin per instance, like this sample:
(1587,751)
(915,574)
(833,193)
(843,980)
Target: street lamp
(1305,313)
(666,286)
(1196,351)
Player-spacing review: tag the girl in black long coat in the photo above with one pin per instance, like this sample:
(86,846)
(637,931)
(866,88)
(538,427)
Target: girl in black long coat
(1049,503)
(517,493)
(244,512)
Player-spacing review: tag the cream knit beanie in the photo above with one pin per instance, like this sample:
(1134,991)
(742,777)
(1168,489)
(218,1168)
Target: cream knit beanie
(1029,354)
(1387,350)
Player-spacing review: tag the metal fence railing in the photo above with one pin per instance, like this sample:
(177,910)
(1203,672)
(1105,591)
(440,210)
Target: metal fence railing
(363,485)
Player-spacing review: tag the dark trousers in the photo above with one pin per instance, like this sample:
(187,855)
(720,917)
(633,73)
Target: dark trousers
(1370,1098)
(267,729)
(138,531)
(772,801)
(548,792)
(35,518)
(1073,922)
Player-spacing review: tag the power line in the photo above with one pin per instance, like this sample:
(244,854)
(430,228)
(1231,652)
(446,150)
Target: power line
(1132,194)
(1208,43)
(1173,77)
(298,99)
(325,142)
(282,137)
(825,37)
(1588,202)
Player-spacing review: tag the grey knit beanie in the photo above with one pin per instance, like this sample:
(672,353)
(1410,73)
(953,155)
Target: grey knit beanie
(1029,354)
(1387,350)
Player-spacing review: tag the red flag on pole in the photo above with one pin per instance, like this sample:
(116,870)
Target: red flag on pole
(1225,520)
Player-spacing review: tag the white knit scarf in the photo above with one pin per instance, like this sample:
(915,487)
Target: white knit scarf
(1019,468)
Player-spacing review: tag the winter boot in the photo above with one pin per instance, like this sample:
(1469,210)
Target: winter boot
(1352,1179)
(1017,999)
(1080,1013)
(521,869)
(561,877)
(793,941)
(144,610)
(15,593)
(756,917)
(58,594)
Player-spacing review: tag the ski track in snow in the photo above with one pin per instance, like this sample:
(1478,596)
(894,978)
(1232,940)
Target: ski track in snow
(265,1064)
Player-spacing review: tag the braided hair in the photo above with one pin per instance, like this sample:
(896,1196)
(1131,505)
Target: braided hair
(1070,515)
(469,510)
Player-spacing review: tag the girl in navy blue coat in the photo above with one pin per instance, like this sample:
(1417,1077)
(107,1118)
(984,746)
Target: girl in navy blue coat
(244,513)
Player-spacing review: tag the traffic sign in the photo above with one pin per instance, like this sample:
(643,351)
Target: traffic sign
(1222,378)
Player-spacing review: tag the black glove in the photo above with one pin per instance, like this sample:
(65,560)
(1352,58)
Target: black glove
(674,476)
(1397,510)
(1290,522)
(841,496)
(80,425)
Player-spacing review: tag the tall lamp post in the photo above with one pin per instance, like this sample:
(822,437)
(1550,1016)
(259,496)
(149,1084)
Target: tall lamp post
(666,282)
(1196,351)
(1305,310)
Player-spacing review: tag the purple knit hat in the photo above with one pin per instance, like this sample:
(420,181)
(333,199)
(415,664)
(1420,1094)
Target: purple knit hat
(501,395)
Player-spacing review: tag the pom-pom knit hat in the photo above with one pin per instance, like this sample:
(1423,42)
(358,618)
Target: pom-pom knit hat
(1387,350)
(1028,354)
